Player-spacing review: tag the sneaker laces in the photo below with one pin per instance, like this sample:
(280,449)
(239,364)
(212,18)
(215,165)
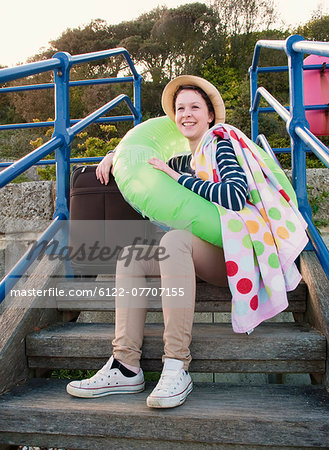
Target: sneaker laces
(168,380)
(103,372)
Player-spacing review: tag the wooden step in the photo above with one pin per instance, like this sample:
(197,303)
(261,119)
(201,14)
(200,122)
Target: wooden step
(41,413)
(96,296)
(272,347)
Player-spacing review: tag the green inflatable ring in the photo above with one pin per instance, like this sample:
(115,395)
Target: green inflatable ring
(157,196)
(153,193)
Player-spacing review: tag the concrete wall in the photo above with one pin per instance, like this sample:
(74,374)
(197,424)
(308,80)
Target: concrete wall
(25,206)
(318,188)
(26,209)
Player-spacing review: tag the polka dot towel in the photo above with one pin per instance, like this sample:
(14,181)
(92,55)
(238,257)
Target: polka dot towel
(260,242)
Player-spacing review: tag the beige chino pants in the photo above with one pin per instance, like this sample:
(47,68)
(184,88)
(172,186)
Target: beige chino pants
(183,257)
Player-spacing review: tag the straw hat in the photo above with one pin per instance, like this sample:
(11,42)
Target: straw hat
(213,94)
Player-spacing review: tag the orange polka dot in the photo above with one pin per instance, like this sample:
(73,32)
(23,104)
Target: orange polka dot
(268,238)
(203,175)
(252,226)
(263,214)
(283,233)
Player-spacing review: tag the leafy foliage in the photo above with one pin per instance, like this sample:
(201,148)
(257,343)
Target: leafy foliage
(245,16)
(213,40)
(83,146)
(317,29)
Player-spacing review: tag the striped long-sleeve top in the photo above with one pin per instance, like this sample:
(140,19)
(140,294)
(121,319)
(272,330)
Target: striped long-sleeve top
(230,192)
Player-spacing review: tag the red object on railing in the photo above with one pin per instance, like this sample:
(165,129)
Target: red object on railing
(316,92)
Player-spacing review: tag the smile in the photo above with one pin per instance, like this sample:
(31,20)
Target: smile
(188,124)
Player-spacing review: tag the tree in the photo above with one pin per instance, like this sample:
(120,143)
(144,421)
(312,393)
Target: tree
(179,41)
(191,33)
(96,36)
(317,29)
(245,16)
(214,40)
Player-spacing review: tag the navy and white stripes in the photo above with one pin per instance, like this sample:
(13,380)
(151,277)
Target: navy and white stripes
(230,192)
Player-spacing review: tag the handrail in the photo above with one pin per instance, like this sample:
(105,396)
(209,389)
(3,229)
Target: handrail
(20,166)
(26,70)
(46,162)
(262,92)
(9,281)
(51,123)
(262,141)
(35,87)
(29,160)
(297,127)
(310,47)
(318,148)
(65,130)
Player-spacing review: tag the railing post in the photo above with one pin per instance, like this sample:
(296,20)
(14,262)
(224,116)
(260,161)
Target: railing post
(254,114)
(297,118)
(137,99)
(62,124)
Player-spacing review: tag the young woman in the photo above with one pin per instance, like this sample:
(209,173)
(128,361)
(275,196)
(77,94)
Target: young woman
(195,105)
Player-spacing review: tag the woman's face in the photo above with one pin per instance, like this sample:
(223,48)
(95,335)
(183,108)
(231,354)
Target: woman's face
(192,116)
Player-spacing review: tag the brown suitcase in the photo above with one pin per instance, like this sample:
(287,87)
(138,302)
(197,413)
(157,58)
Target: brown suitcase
(101,223)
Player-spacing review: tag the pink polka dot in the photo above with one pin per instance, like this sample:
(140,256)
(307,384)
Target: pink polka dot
(243,144)
(219,133)
(254,303)
(244,285)
(231,268)
(285,195)
(253,155)
(233,135)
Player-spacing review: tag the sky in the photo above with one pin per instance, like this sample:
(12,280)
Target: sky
(28,26)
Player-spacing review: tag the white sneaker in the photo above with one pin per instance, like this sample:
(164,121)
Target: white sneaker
(173,387)
(108,380)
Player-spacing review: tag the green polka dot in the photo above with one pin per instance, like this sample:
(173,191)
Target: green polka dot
(284,202)
(235,225)
(221,210)
(240,160)
(274,213)
(255,196)
(291,226)
(259,177)
(268,290)
(246,241)
(259,248)
(273,261)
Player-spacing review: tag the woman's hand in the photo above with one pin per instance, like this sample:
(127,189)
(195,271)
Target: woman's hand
(104,167)
(161,165)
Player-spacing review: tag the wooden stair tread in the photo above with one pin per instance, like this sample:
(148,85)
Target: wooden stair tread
(277,347)
(218,414)
(209,298)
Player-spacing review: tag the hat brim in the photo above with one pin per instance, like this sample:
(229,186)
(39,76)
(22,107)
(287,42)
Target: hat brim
(213,94)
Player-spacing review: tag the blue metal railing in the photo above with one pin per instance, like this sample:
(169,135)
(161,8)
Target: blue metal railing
(296,123)
(65,130)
